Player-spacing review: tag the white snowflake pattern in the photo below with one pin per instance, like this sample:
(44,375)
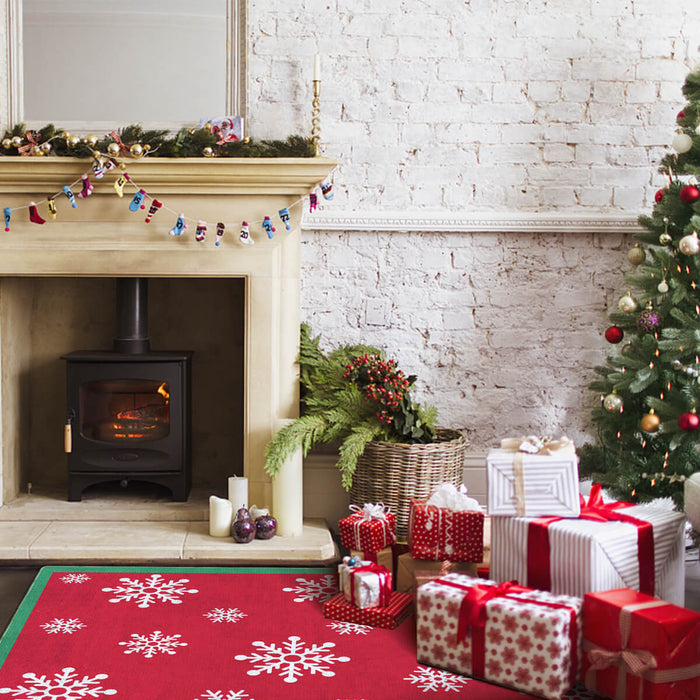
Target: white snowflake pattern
(151,644)
(75,578)
(224,695)
(349,627)
(433,679)
(321,590)
(292,658)
(151,590)
(225,615)
(58,625)
(67,682)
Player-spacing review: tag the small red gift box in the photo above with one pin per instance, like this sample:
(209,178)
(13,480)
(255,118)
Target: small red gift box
(369,529)
(639,647)
(399,608)
(437,533)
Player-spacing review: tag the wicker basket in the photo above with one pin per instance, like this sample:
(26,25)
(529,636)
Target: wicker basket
(396,473)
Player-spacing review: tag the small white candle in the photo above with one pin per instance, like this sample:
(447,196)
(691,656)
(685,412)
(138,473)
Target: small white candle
(317,67)
(220,516)
(238,492)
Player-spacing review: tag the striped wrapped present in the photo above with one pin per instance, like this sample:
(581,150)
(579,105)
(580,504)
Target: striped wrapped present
(613,545)
(533,476)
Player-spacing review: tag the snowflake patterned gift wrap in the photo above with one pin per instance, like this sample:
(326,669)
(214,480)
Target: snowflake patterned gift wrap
(364,584)
(400,607)
(504,633)
(533,476)
(437,534)
(611,545)
(636,646)
(369,529)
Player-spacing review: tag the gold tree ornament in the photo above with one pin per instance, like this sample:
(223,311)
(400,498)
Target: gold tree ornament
(636,255)
(136,150)
(113,149)
(650,422)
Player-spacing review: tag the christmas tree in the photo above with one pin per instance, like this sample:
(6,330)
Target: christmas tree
(649,390)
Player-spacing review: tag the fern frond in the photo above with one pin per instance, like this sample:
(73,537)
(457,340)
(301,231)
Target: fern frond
(352,448)
(302,433)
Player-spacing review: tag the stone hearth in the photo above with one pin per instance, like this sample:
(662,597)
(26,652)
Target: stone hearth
(102,238)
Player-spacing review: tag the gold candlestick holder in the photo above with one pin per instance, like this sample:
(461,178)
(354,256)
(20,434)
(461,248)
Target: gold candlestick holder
(316,118)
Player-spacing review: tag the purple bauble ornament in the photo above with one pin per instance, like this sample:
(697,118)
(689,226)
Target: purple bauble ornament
(265,527)
(648,321)
(243,530)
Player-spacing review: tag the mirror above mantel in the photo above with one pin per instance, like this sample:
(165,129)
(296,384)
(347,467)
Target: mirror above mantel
(124,63)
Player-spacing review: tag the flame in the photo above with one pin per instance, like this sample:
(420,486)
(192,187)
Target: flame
(163,391)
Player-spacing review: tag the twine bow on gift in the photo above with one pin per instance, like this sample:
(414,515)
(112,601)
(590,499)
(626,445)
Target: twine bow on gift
(123,148)
(631,660)
(31,146)
(532,445)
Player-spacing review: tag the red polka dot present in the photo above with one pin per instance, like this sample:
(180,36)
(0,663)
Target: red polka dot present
(504,633)
(437,533)
(392,615)
(369,529)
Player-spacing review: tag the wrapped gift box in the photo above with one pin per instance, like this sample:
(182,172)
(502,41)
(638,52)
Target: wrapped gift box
(436,534)
(392,615)
(411,573)
(636,646)
(365,584)
(525,639)
(384,557)
(369,529)
(545,482)
(578,556)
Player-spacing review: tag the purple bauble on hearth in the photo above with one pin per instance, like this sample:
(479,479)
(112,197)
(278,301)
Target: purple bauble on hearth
(243,530)
(648,321)
(265,527)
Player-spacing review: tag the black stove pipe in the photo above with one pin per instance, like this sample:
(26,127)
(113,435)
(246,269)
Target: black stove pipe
(132,316)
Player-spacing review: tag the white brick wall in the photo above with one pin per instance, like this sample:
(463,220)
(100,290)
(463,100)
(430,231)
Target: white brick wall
(493,107)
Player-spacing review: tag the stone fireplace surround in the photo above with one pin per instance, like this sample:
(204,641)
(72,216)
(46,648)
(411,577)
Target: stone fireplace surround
(101,238)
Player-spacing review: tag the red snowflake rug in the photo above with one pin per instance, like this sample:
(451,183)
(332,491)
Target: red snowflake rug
(209,634)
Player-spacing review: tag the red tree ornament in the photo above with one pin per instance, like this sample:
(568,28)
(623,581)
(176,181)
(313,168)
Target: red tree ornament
(690,194)
(689,422)
(659,195)
(614,334)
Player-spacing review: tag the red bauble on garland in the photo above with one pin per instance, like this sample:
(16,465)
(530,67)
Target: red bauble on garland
(689,422)
(659,195)
(690,194)
(614,334)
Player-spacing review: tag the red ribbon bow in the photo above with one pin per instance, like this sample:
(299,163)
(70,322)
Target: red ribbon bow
(31,146)
(538,565)
(123,148)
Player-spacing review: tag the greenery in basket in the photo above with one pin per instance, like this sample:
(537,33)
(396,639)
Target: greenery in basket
(352,395)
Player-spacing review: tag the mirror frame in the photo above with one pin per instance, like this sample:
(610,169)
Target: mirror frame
(236,74)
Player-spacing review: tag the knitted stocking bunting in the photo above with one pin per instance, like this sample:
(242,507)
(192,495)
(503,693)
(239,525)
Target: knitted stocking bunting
(120,183)
(284,215)
(267,225)
(201,231)
(87,187)
(179,227)
(155,206)
(137,201)
(244,236)
(71,197)
(313,202)
(219,232)
(327,189)
(34,214)
(51,205)
(8,216)
(97,169)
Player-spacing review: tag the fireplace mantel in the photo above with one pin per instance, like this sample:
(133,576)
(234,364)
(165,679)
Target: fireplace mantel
(101,237)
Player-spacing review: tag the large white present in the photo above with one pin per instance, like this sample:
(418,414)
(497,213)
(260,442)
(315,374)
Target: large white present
(364,583)
(639,547)
(507,634)
(533,476)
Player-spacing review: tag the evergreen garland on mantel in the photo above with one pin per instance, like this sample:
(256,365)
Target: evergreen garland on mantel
(188,143)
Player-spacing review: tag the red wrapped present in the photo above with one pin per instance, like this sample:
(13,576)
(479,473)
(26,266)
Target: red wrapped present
(504,633)
(640,648)
(369,529)
(364,583)
(437,533)
(400,607)
(611,545)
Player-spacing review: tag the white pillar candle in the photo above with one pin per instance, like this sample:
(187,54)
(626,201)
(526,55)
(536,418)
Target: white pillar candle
(238,492)
(288,494)
(220,516)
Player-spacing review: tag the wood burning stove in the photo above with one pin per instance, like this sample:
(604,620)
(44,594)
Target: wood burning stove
(129,411)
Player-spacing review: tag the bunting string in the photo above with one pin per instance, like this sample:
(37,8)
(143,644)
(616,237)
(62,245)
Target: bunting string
(141,200)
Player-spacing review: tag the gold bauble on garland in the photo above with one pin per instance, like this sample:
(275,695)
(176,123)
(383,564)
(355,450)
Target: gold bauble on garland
(136,150)
(113,149)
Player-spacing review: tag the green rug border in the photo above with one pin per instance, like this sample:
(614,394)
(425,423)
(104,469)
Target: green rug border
(30,599)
